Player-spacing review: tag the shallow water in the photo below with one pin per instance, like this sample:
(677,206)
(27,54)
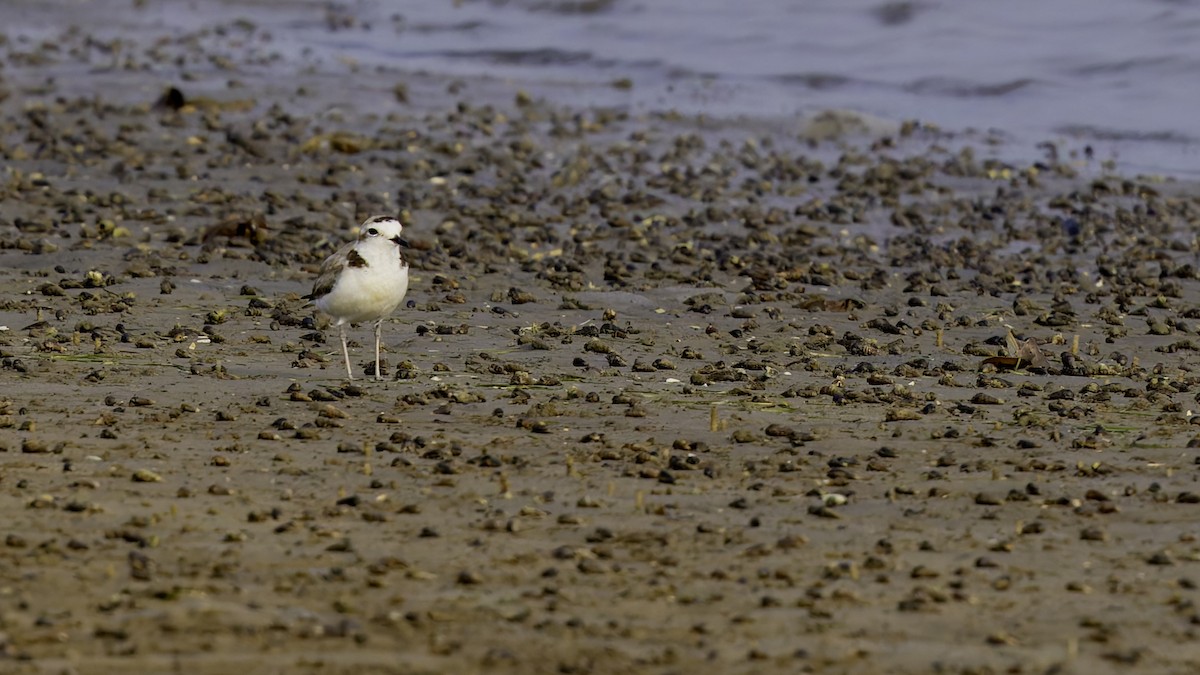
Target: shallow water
(1116,75)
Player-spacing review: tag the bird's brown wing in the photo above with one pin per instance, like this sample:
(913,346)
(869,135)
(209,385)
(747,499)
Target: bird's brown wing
(328,276)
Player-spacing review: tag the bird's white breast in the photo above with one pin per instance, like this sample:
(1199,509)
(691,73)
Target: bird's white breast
(368,293)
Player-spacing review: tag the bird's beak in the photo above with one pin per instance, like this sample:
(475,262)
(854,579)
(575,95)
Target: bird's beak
(400,241)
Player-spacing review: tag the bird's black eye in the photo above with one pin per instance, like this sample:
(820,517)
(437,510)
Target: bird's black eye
(373,232)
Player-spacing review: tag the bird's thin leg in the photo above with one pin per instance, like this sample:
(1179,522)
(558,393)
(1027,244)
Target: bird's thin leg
(378,332)
(346,352)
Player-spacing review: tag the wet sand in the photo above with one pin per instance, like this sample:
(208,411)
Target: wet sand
(669,393)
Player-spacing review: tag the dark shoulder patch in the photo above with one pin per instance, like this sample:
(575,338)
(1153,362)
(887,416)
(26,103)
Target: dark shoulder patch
(353,259)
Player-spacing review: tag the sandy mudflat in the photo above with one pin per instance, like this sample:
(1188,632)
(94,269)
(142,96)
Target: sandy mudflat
(671,395)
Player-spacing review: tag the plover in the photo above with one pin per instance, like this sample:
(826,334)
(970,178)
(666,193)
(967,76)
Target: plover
(364,281)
